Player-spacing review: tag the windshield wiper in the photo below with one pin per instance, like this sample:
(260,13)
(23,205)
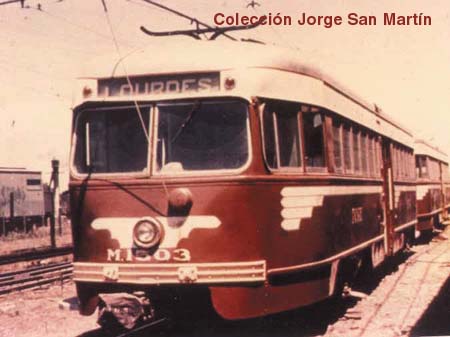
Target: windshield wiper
(187,121)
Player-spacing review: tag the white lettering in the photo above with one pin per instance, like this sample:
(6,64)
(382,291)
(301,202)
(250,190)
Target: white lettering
(162,255)
(204,84)
(157,87)
(142,255)
(113,254)
(357,215)
(173,86)
(187,84)
(181,255)
(125,89)
(128,255)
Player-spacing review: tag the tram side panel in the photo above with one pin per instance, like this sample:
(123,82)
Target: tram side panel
(446,187)
(431,177)
(428,205)
(404,198)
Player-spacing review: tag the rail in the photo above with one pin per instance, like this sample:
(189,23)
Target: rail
(34,277)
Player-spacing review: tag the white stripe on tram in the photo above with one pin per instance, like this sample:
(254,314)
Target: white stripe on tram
(298,202)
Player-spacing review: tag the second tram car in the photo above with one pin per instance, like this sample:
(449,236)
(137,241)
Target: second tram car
(433,186)
(231,170)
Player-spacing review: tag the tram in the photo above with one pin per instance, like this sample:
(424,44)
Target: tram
(230,171)
(433,186)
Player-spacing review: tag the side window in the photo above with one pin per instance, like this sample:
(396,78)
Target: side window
(421,167)
(288,138)
(356,151)
(412,166)
(347,149)
(337,148)
(424,167)
(418,170)
(313,122)
(396,159)
(402,163)
(371,157)
(364,153)
(378,157)
(405,164)
(281,134)
(270,150)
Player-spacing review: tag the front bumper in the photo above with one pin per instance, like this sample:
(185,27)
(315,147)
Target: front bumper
(171,273)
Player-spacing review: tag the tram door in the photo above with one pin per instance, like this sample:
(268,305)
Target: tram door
(388,197)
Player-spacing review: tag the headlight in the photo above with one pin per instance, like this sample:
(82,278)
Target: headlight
(147,233)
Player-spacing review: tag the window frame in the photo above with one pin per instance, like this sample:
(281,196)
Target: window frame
(194,173)
(280,169)
(347,126)
(112,175)
(149,171)
(338,122)
(314,169)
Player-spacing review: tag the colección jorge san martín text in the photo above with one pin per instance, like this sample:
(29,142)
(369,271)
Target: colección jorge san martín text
(326,21)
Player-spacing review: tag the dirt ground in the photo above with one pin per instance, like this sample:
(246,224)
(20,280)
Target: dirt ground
(409,298)
(401,303)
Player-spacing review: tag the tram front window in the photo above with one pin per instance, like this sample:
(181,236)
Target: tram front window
(201,135)
(112,140)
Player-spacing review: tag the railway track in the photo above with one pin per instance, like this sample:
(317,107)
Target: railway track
(34,277)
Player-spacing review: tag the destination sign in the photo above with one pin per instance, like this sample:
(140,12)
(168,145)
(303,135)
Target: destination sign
(161,84)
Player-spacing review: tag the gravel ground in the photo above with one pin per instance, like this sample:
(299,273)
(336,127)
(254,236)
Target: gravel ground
(400,300)
(37,313)
(411,298)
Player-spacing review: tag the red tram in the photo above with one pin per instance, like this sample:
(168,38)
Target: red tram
(233,170)
(433,185)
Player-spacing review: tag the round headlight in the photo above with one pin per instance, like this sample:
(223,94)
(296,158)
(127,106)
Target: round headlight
(147,233)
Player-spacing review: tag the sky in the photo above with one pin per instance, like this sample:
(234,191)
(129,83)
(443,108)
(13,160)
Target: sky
(403,69)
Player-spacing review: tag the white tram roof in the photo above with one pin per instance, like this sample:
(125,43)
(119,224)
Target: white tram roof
(259,70)
(421,147)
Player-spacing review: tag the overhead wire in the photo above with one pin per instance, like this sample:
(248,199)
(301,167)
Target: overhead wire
(116,44)
(82,27)
(190,18)
(42,8)
(275,31)
(122,61)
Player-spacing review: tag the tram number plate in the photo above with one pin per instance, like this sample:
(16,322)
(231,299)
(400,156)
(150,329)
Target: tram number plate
(357,215)
(160,255)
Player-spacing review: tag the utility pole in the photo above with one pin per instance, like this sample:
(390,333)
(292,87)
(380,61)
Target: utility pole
(54,184)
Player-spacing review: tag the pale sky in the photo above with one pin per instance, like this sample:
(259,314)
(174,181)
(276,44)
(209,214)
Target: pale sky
(404,69)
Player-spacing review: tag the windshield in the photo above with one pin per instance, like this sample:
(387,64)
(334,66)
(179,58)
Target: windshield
(112,140)
(201,136)
(189,136)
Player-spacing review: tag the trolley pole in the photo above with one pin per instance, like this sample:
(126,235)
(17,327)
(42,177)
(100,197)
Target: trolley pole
(54,183)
